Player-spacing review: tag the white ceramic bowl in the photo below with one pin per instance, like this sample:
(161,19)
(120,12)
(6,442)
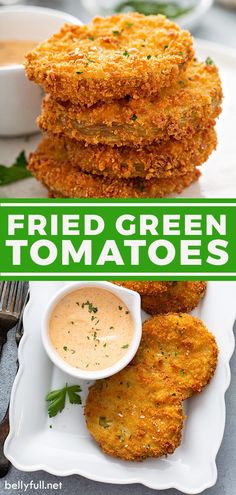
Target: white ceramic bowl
(20,99)
(132,301)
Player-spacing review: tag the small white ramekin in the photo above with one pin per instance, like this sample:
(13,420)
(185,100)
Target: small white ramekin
(132,301)
(20,99)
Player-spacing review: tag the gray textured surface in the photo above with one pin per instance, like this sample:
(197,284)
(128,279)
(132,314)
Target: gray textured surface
(219,26)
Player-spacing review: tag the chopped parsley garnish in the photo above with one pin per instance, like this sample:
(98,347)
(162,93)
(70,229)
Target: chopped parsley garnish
(126,54)
(129,24)
(79,72)
(148,57)
(104,345)
(120,308)
(116,33)
(65,348)
(165,47)
(209,61)
(90,61)
(134,117)
(91,38)
(91,308)
(57,398)
(15,172)
(125,346)
(181,372)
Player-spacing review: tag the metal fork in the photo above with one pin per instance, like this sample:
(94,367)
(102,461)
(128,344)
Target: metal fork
(11,302)
(4,425)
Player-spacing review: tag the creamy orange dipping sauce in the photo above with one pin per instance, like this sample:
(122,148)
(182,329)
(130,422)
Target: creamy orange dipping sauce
(13,51)
(91,328)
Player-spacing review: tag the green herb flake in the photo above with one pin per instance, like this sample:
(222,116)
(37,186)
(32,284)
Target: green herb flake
(15,172)
(209,61)
(126,54)
(91,308)
(134,117)
(165,47)
(57,398)
(181,372)
(116,33)
(148,57)
(79,72)
(125,346)
(104,345)
(91,38)
(65,348)
(120,308)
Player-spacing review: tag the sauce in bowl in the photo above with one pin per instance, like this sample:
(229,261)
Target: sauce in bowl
(91,328)
(13,51)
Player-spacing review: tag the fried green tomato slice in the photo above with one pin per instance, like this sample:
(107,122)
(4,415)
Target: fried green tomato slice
(190,105)
(125,54)
(53,170)
(153,161)
(179,297)
(178,347)
(144,287)
(134,415)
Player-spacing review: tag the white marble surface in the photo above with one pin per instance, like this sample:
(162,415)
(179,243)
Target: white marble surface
(219,26)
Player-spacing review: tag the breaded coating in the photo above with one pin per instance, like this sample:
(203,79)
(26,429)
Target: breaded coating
(190,105)
(144,287)
(153,161)
(51,168)
(125,54)
(179,347)
(180,296)
(134,415)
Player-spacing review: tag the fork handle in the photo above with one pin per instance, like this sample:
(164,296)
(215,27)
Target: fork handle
(3,339)
(4,430)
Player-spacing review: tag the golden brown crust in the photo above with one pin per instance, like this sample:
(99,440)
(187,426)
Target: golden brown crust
(145,287)
(110,58)
(179,296)
(51,168)
(179,112)
(133,416)
(153,161)
(179,347)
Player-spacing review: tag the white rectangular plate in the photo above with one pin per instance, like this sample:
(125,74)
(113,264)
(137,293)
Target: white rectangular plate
(67,447)
(218,178)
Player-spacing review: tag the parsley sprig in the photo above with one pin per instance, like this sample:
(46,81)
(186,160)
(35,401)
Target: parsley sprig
(17,171)
(57,398)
